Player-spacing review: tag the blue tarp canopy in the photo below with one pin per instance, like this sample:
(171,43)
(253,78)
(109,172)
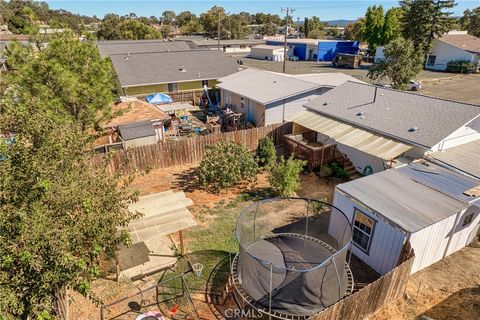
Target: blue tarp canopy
(159,98)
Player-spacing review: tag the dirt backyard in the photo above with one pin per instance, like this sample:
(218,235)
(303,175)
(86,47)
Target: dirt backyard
(447,290)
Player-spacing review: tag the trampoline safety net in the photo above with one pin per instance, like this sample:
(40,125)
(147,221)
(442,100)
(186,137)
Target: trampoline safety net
(288,262)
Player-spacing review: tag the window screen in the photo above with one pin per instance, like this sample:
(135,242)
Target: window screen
(362,230)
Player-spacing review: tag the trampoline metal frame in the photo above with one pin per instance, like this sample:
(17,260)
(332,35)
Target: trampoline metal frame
(234,263)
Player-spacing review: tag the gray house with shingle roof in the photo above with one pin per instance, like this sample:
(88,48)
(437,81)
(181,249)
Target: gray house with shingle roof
(375,126)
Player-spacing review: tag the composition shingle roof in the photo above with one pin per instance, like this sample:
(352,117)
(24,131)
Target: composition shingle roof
(465,42)
(409,117)
(167,67)
(136,130)
(110,47)
(406,203)
(263,86)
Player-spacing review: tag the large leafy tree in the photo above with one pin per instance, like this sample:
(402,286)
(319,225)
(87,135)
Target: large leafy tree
(354,31)
(114,27)
(470,21)
(58,212)
(402,62)
(209,21)
(268,29)
(392,27)
(70,74)
(423,20)
(373,31)
(168,17)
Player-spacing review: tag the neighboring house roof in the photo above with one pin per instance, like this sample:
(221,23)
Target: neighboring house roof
(404,202)
(263,86)
(441,179)
(214,42)
(465,42)
(408,117)
(266,87)
(110,47)
(181,66)
(465,157)
(136,111)
(331,79)
(136,130)
(268,47)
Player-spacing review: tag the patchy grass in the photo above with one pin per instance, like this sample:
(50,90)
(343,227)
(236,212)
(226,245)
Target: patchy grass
(217,229)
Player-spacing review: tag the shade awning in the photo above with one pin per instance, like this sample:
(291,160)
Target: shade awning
(360,139)
(159,98)
(164,213)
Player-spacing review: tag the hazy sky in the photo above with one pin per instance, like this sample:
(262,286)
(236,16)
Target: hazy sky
(326,10)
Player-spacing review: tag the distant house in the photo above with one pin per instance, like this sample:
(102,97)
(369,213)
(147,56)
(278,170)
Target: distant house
(422,206)
(271,53)
(378,128)
(135,123)
(113,47)
(228,46)
(268,97)
(318,50)
(189,71)
(455,45)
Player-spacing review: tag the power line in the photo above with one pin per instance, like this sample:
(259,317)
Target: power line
(288,11)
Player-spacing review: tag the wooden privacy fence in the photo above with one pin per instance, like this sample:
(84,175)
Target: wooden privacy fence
(190,150)
(368,300)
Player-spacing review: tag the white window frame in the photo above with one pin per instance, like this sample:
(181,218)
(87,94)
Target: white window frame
(356,212)
(172,85)
(242,102)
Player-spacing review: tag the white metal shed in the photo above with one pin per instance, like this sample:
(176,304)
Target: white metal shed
(423,204)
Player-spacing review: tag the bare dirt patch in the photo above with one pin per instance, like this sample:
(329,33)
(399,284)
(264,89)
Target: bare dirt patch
(449,289)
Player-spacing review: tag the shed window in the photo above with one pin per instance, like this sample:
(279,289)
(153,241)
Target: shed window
(431,60)
(468,219)
(172,87)
(204,83)
(242,102)
(363,231)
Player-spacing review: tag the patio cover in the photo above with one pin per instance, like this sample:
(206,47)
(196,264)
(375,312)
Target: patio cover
(159,98)
(365,141)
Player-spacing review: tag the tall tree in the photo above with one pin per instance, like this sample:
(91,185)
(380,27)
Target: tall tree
(354,31)
(423,20)
(168,17)
(268,29)
(306,27)
(58,211)
(71,75)
(209,21)
(373,32)
(403,61)
(184,18)
(392,27)
(470,21)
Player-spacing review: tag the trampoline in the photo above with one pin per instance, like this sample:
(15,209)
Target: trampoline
(289,266)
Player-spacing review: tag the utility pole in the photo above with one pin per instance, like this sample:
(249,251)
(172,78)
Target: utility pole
(218,30)
(288,11)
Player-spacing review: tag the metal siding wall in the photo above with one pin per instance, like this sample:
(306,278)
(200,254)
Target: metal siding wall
(328,49)
(462,234)
(386,243)
(429,244)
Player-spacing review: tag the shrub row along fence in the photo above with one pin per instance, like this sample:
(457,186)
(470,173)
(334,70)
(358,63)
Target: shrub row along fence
(370,299)
(190,150)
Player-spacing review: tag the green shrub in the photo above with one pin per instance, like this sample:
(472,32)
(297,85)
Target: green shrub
(460,66)
(226,164)
(285,176)
(337,170)
(266,154)
(325,171)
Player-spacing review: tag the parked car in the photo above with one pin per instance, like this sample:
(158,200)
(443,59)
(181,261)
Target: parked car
(414,85)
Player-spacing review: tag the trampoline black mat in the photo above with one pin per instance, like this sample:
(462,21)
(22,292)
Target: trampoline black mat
(286,271)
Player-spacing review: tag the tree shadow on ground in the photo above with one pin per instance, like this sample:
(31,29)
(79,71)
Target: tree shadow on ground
(463,304)
(187,180)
